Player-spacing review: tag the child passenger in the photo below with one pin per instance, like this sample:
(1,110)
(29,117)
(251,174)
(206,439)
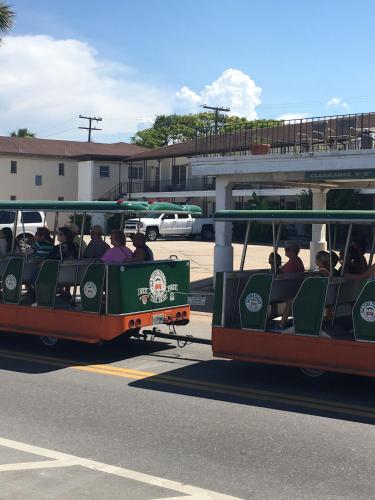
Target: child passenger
(271,260)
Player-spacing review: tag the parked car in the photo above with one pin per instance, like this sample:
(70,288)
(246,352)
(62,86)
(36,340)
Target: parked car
(27,223)
(169,224)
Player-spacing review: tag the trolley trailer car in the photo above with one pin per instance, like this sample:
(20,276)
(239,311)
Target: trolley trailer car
(108,300)
(332,324)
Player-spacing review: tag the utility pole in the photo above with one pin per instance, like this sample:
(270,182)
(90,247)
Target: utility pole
(90,127)
(216,109)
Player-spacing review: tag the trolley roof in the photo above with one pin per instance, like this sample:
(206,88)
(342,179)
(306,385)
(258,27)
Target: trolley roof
(119,206)
(303,216)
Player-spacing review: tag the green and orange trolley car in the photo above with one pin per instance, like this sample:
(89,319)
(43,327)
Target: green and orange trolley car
(332,324)
(108,300)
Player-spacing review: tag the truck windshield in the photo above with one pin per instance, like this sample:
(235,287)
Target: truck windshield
(151,216)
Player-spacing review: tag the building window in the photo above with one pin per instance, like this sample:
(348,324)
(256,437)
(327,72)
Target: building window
(60,198)
(38,180)
(104,171)
(61,169)
(13,197)
(13,167)
(136,173)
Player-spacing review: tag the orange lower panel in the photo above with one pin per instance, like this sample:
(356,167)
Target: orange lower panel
(295,350)
(73,325)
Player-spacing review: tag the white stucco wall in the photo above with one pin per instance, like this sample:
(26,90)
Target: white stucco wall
(22,184)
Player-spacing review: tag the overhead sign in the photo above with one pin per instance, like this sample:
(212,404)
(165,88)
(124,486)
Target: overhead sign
(340,174)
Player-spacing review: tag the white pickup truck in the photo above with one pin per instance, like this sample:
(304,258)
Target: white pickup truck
(171,225)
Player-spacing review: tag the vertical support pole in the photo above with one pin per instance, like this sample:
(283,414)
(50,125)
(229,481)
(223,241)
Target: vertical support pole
(244,250)
(14,232)
(79,258)
(223,253)
(318,236)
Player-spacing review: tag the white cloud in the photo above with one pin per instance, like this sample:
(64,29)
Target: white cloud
(292,116)
(336,102)
(46,83)
(233,89)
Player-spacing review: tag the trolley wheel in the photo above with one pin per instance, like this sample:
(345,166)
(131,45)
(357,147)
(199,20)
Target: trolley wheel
(48,341)
(313,372)
(152,233)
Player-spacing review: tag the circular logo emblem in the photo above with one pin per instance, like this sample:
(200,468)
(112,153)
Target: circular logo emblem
(367,311)
(11,282)
(253,302)
(90,289)
(158,287)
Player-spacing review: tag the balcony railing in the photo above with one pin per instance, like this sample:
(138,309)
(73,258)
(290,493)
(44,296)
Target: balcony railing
(327,133)
(157,186)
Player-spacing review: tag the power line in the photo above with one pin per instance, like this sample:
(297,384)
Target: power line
(216,109)
(90,127)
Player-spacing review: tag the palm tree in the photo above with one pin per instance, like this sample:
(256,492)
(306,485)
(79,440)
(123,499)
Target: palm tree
(6,17)
(22,132)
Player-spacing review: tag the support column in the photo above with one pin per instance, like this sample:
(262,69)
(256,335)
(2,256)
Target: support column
(223,253)
(318,236)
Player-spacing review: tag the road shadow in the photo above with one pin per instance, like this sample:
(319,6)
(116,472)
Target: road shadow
(339,396)
(26,354)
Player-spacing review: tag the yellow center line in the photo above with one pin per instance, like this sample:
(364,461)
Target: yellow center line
(223,389)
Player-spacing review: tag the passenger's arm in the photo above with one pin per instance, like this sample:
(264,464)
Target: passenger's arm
(370,271)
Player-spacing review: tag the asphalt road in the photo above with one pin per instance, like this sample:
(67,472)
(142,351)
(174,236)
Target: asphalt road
(149,420)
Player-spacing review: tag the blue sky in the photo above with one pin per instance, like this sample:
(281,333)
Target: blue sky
(291,58)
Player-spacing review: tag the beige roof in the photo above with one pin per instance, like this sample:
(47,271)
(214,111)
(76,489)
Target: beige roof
(47,147)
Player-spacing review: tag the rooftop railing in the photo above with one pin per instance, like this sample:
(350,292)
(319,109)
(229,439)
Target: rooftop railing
(324,133)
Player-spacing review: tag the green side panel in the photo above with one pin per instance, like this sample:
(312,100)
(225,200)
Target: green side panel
(308,306)
(92,288)
(364,313)
(147,286)
(254,301)
(218,299)
(12,281)
(46,282)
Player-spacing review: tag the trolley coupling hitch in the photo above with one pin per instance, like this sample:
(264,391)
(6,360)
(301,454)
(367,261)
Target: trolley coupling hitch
(156,333)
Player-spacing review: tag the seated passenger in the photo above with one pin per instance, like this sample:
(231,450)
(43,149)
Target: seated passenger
(66,249)
(77,238)
(356,262)
(294,264)
(323,263)
(120,252)
(41,245)
(278,262)
(368,274)
(142,251)
(97,247)
(9,239)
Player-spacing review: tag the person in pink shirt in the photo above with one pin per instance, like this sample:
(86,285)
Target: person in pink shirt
(294,264)
(119,253)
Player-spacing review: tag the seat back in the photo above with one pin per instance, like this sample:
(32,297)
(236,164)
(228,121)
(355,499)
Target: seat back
(254,300)
(364,314)
(309,305)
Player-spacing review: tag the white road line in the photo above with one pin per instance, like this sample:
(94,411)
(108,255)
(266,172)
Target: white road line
(46,464)
(68,460)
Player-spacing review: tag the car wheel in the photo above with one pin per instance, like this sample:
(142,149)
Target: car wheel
(48,341)
(312,372)
(22,242)
(207,233)
(152,234)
